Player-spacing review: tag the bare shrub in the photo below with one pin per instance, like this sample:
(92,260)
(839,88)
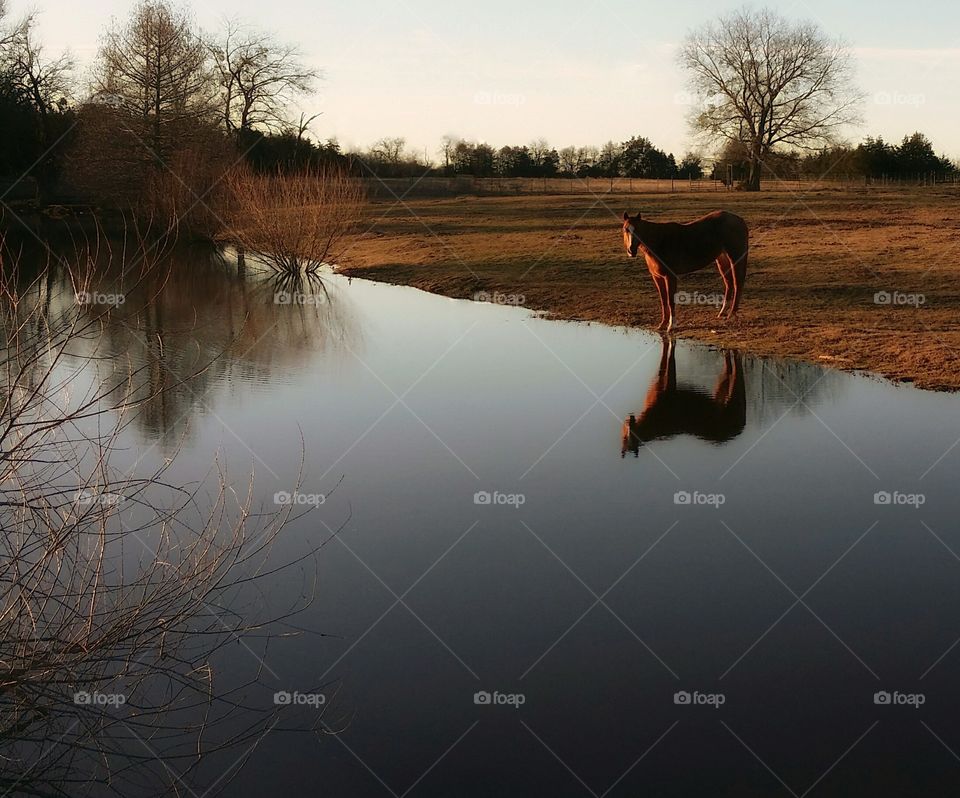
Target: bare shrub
(185,191)
(295,221)
(115,584)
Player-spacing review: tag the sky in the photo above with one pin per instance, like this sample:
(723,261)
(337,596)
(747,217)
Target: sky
(574,73)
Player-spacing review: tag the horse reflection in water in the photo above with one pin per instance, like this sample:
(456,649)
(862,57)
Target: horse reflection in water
(670,411)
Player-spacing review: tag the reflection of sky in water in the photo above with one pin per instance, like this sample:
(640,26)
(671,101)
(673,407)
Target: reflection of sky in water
(418,402)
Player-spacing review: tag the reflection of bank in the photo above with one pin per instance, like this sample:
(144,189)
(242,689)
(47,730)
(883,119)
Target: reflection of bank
(189,322)
(670,410)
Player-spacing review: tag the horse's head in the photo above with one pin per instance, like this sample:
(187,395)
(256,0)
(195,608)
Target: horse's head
(630,238)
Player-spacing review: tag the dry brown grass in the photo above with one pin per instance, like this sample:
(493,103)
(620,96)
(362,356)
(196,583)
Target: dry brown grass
(817,258)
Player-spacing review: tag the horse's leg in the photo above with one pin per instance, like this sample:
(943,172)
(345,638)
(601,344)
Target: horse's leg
(728,380)
(739,277)
(725,267)
(671,287)
(670,375)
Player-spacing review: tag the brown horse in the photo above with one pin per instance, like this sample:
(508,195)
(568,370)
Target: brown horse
(672,249)
(670,410)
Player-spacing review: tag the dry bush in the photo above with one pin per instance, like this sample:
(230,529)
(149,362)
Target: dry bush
(186,191)
(112,583)
(295,221)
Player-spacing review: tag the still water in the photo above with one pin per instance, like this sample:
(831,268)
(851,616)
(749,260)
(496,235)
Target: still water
(564,559)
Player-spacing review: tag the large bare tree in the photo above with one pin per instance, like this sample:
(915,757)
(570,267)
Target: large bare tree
(155,67)
(769,82)
(258,78)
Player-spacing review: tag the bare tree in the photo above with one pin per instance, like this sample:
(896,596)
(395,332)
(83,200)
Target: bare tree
(258,78)
(44,83)
(573,160)
(538,150)
(388,150)
(155,68)
(768,82)
(448,145)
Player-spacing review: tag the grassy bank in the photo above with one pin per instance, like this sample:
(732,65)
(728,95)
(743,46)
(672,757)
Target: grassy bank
(817,259)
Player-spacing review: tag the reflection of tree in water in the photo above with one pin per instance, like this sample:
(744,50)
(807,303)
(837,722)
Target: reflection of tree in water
(773,387)
(190,323)
(121,594)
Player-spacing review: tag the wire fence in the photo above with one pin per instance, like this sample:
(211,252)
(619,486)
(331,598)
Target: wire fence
(460,185)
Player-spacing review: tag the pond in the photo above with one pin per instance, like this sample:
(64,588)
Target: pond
(563,559)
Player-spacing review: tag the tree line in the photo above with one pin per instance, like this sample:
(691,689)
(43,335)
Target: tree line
(637,157)
(166,110)
(872,159)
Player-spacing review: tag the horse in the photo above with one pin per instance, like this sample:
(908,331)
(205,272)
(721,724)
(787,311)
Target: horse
(671,249)
(670,410)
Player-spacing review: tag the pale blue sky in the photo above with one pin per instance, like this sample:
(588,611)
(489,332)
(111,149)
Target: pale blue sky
(508,71)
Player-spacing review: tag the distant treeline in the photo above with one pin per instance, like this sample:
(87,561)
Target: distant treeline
(873,159)
(638,157)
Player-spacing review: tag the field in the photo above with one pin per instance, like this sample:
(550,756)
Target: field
(819,258)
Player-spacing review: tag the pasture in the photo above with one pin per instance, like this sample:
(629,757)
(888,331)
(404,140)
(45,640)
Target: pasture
(859,278)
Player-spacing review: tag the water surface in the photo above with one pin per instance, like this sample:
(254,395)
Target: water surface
(589,586)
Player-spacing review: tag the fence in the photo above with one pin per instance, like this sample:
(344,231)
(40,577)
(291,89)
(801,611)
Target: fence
(390,188)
